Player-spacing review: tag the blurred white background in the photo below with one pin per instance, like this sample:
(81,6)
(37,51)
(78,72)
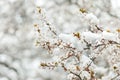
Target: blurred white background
(19,58)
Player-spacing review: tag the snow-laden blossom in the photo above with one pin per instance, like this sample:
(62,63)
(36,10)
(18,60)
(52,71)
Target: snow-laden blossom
(77,53)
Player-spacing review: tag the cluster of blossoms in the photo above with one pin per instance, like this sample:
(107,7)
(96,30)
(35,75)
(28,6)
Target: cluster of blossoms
(89,55)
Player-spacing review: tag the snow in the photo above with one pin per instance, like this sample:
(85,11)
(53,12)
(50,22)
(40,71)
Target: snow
(20,59)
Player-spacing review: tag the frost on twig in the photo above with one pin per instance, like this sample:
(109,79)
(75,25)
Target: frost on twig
(77,53)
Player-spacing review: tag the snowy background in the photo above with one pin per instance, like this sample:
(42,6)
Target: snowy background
(19,57)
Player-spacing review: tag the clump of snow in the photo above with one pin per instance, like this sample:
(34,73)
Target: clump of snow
(92,18)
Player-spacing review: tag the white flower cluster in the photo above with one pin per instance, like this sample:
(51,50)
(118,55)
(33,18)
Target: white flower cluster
(77,53)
